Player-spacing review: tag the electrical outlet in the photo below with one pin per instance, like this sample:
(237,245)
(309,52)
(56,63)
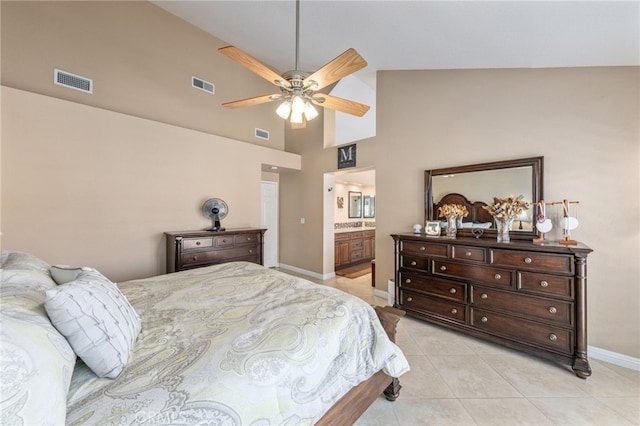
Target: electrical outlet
(302,221)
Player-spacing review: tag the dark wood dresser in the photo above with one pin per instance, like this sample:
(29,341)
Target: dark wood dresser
(519,294)
(195,249)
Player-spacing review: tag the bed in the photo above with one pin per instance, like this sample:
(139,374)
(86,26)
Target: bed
(477,216)
(235,344)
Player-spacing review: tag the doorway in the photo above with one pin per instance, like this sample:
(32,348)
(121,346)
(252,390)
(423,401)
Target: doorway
(269,220)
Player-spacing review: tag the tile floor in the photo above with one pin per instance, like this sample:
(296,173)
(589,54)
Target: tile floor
(460,380)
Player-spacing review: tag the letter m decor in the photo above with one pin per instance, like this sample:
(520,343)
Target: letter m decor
(347,156)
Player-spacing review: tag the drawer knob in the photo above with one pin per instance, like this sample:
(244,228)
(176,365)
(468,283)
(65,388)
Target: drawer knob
(553,337)
(408,281)
(224,241)
(552,310)
(194,258)
(544,284)
(497,276)
(413,263)
(443,268)
(527,260)
(197,243)
(250,251)
(409,299)
(454,311)
(452,291)
(483,296)
(468,254)
(484,319)
(423,248)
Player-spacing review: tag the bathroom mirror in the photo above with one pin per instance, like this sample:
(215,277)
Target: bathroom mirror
(477,184)
(355,204)
(369,206)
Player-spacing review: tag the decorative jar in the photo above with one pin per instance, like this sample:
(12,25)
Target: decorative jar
(503,226)
(452,226)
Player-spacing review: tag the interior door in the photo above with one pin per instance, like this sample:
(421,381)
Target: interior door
(270,222)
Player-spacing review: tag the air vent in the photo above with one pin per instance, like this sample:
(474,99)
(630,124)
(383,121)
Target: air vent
(262,134)
(199,83)
(72,81)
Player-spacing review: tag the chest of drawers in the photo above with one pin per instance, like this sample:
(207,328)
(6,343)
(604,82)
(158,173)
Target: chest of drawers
(195,249)
(522,295)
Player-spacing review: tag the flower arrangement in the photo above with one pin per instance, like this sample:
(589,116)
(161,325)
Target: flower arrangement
(456,210)
(507,208)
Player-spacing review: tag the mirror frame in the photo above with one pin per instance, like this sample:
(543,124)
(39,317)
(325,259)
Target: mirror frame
(355,198)
(371,211)
(536,164)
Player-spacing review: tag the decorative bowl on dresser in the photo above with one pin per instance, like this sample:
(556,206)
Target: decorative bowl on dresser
(195,249)
(522,295)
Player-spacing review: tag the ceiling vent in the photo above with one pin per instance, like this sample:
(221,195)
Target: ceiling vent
(199,83)
(72,81)
(262,134)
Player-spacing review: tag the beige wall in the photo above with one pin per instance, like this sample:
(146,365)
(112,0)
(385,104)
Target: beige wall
(584,121)
(141,60)
(87,186)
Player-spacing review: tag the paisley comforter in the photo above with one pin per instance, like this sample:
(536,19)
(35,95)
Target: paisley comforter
(236,344)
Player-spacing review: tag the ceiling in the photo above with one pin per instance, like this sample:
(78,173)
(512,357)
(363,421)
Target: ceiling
(407,35)
(424,35)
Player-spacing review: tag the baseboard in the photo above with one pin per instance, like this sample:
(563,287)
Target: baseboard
(614,358)
(308,273)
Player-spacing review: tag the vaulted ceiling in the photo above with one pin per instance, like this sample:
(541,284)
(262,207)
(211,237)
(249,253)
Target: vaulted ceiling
(403,35)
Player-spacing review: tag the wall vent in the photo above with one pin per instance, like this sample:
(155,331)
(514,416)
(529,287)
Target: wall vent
(262,134)
(72,81)
(199,83)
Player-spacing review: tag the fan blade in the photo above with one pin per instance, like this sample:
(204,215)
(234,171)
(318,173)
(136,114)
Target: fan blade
(257,100)
(254,65)
(347,63)
(300,125)
(342,105)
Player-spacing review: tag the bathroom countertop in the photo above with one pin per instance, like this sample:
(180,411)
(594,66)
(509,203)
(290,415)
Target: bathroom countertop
(362,228)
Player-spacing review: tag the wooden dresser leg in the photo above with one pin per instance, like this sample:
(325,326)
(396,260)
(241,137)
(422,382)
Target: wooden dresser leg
(581,367)
(392,392)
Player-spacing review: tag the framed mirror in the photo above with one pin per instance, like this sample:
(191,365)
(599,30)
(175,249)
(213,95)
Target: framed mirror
(355,204)
(369,206)
(475,185)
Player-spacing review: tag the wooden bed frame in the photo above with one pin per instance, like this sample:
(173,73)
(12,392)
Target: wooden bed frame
(351,406)
(476,212)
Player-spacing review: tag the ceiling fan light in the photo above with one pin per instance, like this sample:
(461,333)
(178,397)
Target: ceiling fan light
(284,109)
(296,118)
(309,111)
(297,106)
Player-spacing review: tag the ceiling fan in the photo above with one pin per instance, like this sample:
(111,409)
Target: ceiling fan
(299,89)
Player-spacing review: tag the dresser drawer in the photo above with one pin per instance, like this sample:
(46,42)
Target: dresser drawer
(545,284)
(528,332)
(433,305)
(558,311)
(196,243)
(355,245)
(357,255)
(246,238)
(463,253)
(417,247)
(341,236)
(529,260)
(485,274)
(223,241)
(414,263)
(217,256)
(437,287)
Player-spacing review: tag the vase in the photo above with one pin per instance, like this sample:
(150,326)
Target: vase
(452,228)
(503,226)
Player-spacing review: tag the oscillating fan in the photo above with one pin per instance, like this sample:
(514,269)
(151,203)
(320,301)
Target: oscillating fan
(216,210)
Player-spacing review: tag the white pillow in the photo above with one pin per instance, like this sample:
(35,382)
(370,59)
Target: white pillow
(97,320)
(63,274)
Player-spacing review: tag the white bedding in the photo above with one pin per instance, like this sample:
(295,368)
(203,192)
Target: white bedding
(236,344)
